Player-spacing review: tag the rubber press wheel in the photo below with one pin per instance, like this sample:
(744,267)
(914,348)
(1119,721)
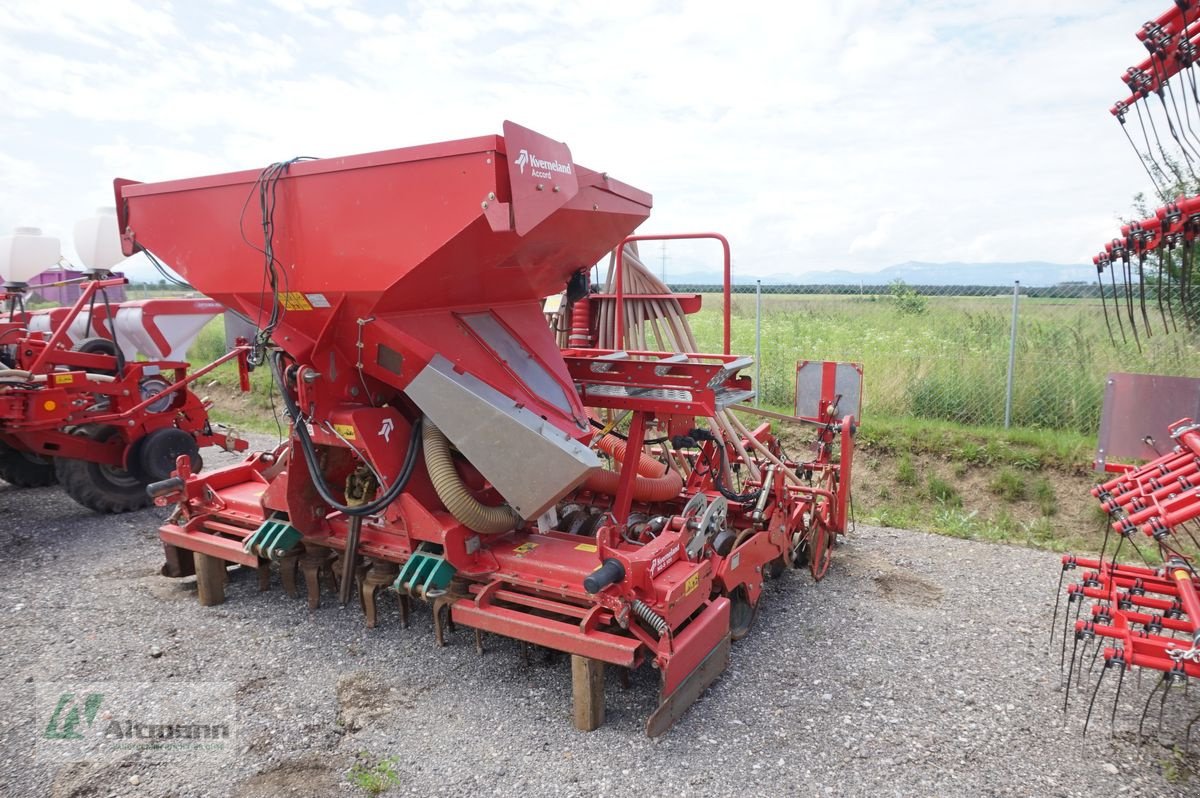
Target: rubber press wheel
(741,613)
(25,469)
(97,346)
(101,487)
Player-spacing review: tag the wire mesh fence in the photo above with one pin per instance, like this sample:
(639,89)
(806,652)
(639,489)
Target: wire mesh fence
(943,352)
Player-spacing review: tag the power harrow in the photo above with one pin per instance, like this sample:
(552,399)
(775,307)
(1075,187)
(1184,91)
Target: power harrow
(597,498)
(97,396)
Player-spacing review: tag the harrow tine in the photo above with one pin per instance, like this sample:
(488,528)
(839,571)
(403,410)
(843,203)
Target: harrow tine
(1112,276)
(1095,654)
(1070,673)
(1087,641)
(1092,703)
(1104,543)
(1187,740)
(1112,721)
(1057,598)
(1062,658)
(1142,293)
(1162,706)
(1146,708)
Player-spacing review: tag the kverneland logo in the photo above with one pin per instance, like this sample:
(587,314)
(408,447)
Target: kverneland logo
(538,167)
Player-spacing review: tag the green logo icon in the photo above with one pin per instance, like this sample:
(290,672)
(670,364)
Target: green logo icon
(66,726)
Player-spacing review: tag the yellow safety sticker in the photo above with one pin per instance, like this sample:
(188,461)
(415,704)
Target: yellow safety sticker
(586,547)
(64,379)
(294,300)
(1182,575)
(691,584)
(345,430)
(524,549)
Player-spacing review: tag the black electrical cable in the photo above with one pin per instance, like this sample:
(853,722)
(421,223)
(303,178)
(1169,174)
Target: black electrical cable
(314,466)
(112,329)
(718,480)
(266,187)
(613,432)
(162,270)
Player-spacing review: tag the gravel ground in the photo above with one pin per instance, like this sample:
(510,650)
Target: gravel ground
(918,667)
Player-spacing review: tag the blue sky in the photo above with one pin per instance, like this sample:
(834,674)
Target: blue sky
(824,135)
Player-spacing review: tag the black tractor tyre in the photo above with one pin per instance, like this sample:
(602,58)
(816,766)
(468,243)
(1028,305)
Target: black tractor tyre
(103,488)
(25,469)
(98,346)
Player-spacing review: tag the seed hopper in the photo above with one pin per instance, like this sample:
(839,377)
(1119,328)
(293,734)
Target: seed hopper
(444,448)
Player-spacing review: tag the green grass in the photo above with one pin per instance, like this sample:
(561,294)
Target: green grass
(1009,485)
(947,360)
(377,778)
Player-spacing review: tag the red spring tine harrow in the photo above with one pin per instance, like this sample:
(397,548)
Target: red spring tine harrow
(1147,616)
(444,447)
(1141,616)
(79,408)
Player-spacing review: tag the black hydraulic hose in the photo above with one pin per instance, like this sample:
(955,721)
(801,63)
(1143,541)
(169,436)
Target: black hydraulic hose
(314,467)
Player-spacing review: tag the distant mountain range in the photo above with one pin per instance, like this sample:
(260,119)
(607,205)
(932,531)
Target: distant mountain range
(1030,273)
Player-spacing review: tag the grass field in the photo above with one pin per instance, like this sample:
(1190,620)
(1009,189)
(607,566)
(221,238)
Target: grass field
(946,358)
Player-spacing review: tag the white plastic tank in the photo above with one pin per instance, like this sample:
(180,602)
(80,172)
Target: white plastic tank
(98,240)
(27,253)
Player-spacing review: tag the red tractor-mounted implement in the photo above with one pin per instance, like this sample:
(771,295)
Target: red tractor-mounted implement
(597,499)
(1144,614)
(82,406)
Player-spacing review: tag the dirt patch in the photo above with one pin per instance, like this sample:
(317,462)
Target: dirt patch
(298,778)
(361,699)
(907,588)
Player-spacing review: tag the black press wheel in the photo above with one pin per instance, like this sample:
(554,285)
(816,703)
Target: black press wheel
(100,487)
(25,469)
(741,613)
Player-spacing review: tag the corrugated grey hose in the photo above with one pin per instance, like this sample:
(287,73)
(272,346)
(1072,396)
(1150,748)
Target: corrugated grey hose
(466,509)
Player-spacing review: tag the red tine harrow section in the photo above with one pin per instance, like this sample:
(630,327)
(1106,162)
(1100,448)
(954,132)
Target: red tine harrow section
(1146,616)
(1143,616)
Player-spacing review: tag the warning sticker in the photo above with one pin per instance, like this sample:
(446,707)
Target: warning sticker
(345,430)
(64,379)
(293,300)
(691,584)
(317,300)
(524,549)
(586,547)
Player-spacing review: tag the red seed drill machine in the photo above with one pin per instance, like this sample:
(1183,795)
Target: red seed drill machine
(97,396)
(443,446)
(1144,615)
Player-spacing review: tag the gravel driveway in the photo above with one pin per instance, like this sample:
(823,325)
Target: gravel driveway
(918,667)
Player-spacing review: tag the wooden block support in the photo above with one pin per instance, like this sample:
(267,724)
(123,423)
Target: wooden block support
(587,681)
(210,579)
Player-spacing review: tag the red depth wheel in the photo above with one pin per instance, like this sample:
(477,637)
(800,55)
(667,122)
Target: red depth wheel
(821,548)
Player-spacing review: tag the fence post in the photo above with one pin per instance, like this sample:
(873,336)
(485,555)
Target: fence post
(1012,356)
(757,341)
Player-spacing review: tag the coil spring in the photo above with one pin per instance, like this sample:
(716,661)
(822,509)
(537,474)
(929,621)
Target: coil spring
(643,611)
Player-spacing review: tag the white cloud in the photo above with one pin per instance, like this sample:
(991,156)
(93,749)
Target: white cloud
(846,135)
